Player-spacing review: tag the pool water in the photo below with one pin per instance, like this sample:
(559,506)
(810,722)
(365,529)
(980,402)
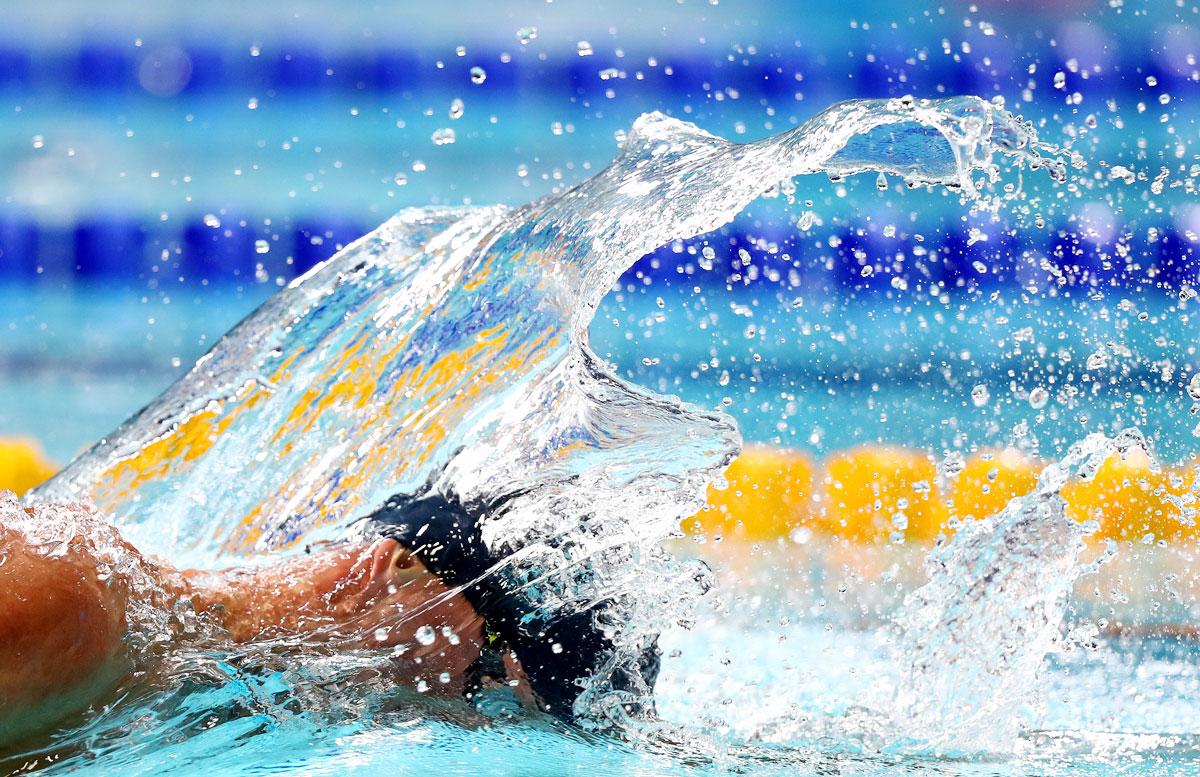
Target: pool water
(796,662)
(746,690)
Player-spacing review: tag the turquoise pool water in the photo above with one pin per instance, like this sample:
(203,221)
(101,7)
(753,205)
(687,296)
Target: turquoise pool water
(855,313)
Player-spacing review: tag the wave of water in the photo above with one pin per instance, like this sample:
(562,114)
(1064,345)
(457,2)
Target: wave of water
(449,347)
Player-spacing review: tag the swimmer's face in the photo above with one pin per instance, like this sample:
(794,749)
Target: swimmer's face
(405,605)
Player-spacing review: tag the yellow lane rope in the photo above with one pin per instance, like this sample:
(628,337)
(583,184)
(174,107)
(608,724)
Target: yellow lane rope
(23,465)
(873,494)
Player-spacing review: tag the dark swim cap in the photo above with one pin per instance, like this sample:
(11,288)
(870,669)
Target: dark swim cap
(557,652)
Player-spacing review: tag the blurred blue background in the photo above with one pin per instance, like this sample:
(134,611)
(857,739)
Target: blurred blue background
(164,167)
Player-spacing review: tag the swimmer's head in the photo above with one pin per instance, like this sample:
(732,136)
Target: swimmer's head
(382,596)
(557,654)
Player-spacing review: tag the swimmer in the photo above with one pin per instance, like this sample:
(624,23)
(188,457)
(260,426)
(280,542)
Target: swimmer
(421,567)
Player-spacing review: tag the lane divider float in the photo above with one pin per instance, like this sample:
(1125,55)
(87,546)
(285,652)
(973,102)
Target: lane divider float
(883,493)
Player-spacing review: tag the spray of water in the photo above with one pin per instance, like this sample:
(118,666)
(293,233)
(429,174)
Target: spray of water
(449,347)
(975,637)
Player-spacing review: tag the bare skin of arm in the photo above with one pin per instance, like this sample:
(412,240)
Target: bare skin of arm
(62,627)
(61,630)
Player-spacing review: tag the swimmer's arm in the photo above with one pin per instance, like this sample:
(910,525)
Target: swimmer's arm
(308,596)
(61,638)
(352,597)
(62,628)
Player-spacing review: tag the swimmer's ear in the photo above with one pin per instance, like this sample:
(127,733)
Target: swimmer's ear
(388,555)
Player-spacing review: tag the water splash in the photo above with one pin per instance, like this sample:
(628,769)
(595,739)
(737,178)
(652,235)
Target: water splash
(976,636)
(450,347)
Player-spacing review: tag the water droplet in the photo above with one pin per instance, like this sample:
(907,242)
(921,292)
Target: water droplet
(1193,388)
(252,103)
(881,182)
(583,49)
(556,647)
(1098,360)
(1122,173)
(980,395)
(1038,398)
(478,75)
(422,686)
(426,635)
(444,678)
(801,535)
(400,179)
(1060,80)
(522,170)
(39,141)
(381,634)
(707,254)
(526,34)
(443,137)
(456,108)
(262,246)
(212,221)
(609,73)
(952,464)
